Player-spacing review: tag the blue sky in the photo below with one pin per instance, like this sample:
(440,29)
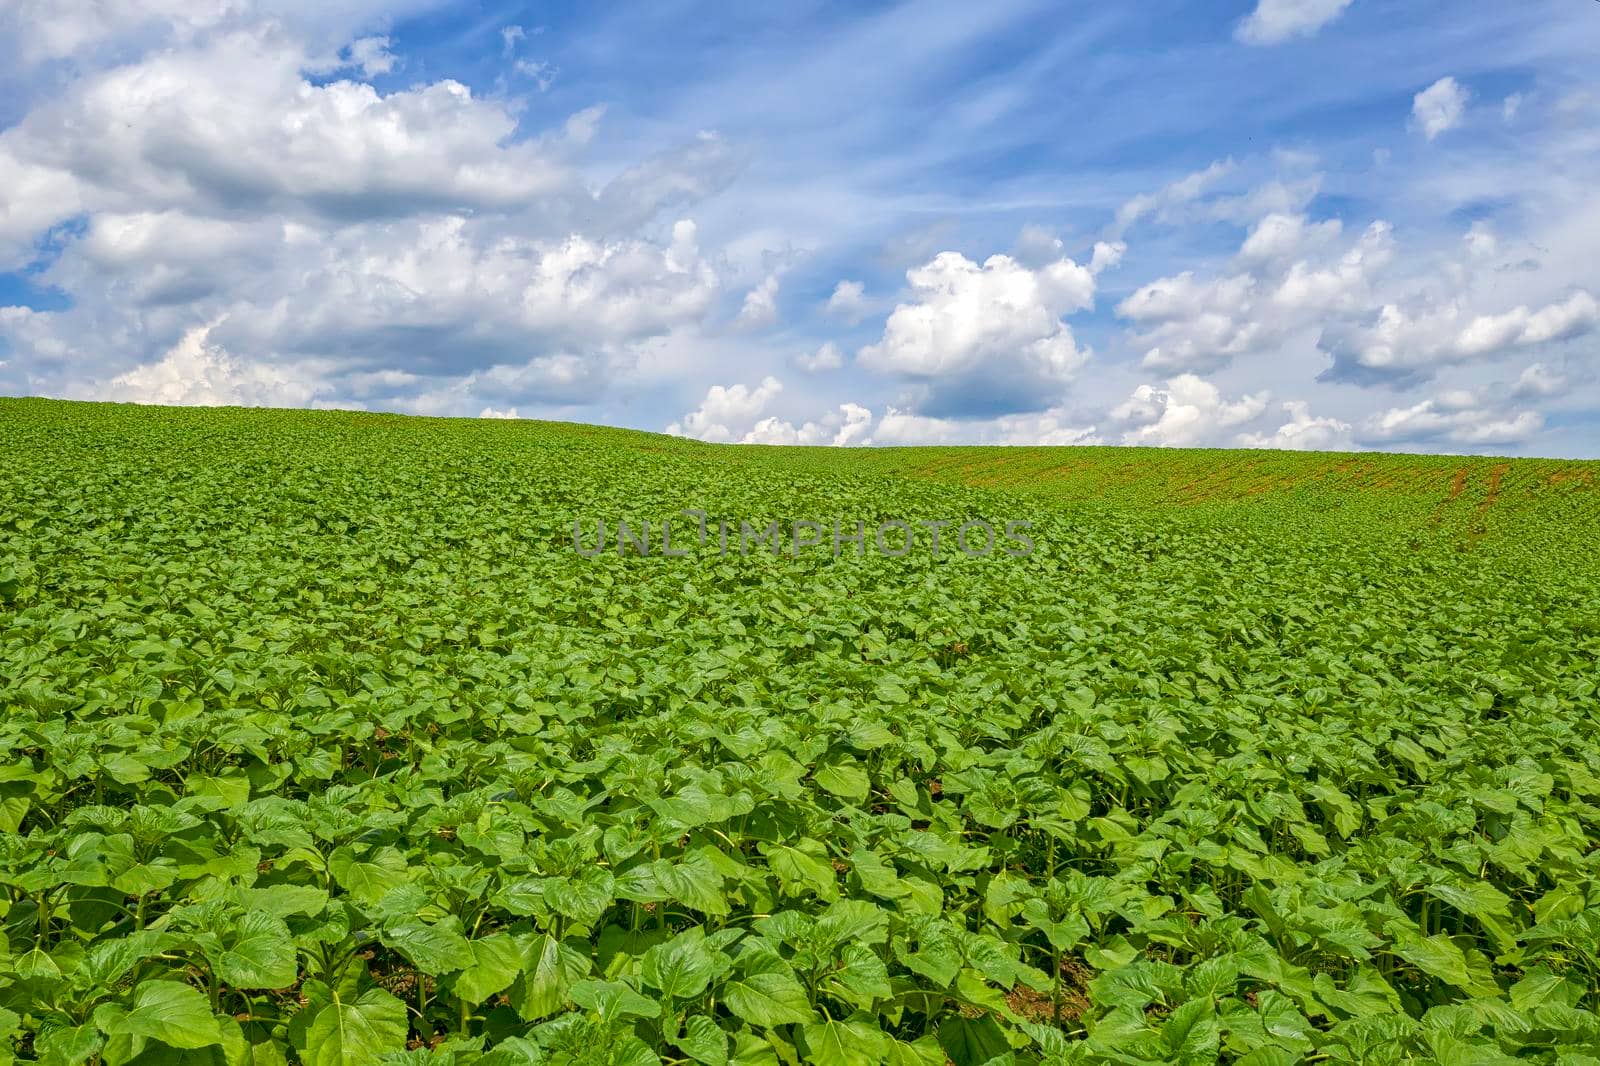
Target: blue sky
(1338,224)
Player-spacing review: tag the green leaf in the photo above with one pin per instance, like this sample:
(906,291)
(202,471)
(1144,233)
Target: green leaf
(1437,955)
(861,976)
(356,1033)
(168,1011)
(552,968)
(845,779)
(972,1041)
(496,962)
(852,921)
(923,1051)
(684,966)
(613,1000)
(369,880)
(704,1041)
(256,951)
(432,949)
(768,997)
(1191,1033)
(856,1041)
(801,874)
(584,898)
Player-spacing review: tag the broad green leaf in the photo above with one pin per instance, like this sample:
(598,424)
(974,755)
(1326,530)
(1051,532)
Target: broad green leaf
(355,1033)
(256,951)
(704,1041)
(855,1041)
(767,998)
(496,962)
(684,966)
(551,969)
(432,949)
(168,1011)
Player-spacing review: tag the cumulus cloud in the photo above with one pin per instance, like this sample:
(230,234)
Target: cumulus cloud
(196,372)
(371,56)
(473,316)
(1401,346)
(1537,381)
(727,411)
(1460,418)
(1188,412)
(236,127)
(1302,432)
(1276,21)
(1106,256)
(665,181)
(848,301)
(1300,284)
(1185,190)
(1189,323)
(984,339)
(1279,237)
(826,357)
(847,426)
(1439,107)
(760,307)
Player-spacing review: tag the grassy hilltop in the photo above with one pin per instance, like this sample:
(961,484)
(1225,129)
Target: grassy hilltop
(321,742)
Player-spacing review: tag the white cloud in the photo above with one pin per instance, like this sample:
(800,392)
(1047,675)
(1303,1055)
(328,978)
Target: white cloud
(1292,285)
(1106,256)
(1280,237)
(57,29)
(984,339)
(727,411)
(198,373)
(475,315)
(541,73)
(847,426)
(1402,345)
(856,422)
(1185,190)
(1302,432)
(1276,21)
(1193,324)
(848,301)
(667,180)
(1188,412)
(760,308)
(371,56)
(1510,106)
(1521,328)
(1460,418)
(826,357)
(1439,107)
(235,127)
(898,427)
(1538,380)
(1480,240)
(491,412)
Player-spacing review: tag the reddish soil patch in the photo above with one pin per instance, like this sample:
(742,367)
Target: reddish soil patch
(1494,488)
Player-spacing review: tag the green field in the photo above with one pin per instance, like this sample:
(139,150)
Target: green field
(322,742)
